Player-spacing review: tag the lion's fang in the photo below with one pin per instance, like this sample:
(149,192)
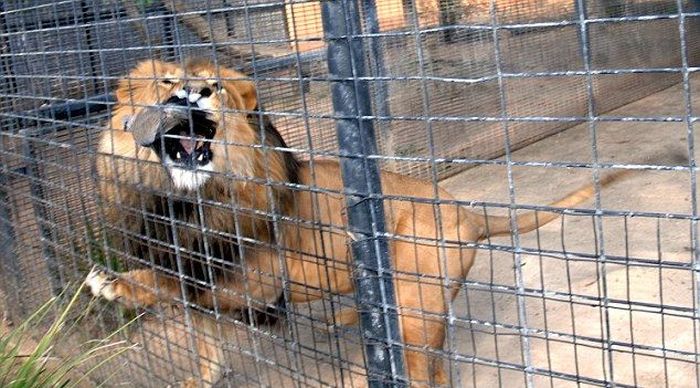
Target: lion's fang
(201,157)
(177,155)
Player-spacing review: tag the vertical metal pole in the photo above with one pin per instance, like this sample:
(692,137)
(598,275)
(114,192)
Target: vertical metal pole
(609,372)
(8,261)
(448,18)
(88,19)
(409,7)
(377,69)
(374,288)
(40,211)
(524,329)
(693,168)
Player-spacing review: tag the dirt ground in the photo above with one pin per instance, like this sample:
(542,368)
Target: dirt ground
(611,322)
(6,325)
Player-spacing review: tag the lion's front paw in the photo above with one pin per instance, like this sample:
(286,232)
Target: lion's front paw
(101,284)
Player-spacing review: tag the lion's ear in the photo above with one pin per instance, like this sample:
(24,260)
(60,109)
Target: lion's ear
(237,83)
(248,93)
(133,88)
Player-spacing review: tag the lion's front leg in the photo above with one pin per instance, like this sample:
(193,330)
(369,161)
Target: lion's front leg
(137,288)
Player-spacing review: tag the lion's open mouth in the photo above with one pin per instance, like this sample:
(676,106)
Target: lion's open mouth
(188,143)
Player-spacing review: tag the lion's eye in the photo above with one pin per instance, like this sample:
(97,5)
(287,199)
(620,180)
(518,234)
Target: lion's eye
(216,86)
(167,82)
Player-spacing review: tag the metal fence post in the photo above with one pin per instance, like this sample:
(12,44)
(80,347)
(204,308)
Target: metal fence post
(9,267)
(40,211)
(361,179)
(377,69)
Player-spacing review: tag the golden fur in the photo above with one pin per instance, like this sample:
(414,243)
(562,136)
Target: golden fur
(316,259)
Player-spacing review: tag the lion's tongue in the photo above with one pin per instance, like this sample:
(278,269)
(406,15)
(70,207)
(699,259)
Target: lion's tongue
(188,145)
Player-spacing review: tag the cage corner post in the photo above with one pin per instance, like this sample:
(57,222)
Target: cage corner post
(374,287)
(39,206)
(8,262)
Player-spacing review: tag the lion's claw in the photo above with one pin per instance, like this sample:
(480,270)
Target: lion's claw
(101,284)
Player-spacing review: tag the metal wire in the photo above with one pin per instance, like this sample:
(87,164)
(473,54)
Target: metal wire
(498,106)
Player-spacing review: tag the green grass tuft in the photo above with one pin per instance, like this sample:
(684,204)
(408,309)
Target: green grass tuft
(41,367)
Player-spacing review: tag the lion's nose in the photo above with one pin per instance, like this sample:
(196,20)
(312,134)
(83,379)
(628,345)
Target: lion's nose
(205,92)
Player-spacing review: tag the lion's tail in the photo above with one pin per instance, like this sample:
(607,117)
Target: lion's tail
(497,225)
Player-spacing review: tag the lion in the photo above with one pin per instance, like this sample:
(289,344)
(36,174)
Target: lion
(202,191)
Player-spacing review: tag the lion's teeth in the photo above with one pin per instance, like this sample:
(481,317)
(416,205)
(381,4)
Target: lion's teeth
(201,157)
(193,97)
(204,103)
(177,155)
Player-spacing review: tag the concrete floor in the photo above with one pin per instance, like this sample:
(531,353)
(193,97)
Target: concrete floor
(645,239)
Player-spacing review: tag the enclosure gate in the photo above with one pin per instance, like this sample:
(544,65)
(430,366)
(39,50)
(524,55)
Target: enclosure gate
(446,91)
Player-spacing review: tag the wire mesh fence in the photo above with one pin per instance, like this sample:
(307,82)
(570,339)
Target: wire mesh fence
(218,162)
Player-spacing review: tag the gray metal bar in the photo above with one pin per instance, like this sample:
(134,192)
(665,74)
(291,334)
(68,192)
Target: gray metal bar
(692,164)
(591,102)
(374,288)
(378,70)
(448,18)
(8,261)
(40,212)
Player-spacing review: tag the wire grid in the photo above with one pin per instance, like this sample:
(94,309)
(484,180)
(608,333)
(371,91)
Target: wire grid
(607,296)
